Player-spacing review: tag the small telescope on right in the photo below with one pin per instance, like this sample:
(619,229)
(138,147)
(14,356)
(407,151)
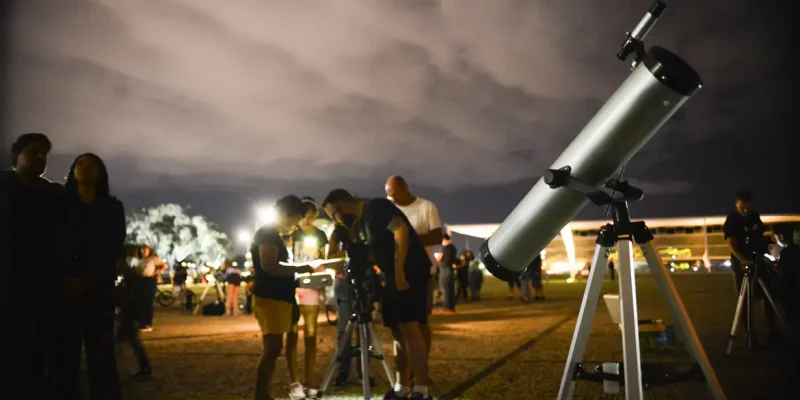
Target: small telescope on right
(660,83)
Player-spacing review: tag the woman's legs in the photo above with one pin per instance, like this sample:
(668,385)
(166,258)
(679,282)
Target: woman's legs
(310,314)
(235,297)
(291,354)
(266,365)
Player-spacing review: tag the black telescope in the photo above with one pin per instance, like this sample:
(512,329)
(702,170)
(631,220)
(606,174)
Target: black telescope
(659,84)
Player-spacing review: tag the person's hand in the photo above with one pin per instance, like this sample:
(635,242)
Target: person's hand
(402,285)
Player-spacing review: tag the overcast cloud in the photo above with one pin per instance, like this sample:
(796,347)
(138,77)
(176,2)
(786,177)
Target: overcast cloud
(448,93)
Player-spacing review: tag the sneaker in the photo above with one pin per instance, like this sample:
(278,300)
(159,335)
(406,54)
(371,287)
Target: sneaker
(297,391)
(392,395)
(146,328)
(312,393)
(419,396)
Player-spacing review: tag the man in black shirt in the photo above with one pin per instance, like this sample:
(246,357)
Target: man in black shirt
(447,278)
(29,222)
(744,232)
(400,254)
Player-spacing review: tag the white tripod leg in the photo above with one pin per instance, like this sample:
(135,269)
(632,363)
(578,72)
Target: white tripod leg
(629,315)
(737,315)
(679,314)
(202,298)
(585,318)
(378,350)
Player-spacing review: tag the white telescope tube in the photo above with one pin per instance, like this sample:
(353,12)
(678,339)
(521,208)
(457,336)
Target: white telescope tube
(651,94)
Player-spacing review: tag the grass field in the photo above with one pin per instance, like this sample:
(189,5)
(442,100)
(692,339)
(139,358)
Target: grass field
(492,349)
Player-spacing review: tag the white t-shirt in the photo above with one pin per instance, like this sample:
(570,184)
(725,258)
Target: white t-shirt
(424,218)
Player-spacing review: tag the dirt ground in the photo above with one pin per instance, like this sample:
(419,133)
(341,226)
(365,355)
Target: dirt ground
(491,349)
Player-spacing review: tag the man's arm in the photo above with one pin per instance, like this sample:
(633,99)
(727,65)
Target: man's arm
(400,231)
(734,245)
(730,229)
(335,251)
(434,235)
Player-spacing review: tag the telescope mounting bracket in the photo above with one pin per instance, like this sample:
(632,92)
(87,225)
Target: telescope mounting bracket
(634,43)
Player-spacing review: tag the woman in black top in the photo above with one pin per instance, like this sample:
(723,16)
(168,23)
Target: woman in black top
(274,289)
(93,232)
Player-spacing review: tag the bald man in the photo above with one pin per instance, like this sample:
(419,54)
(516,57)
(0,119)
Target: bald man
(424,217)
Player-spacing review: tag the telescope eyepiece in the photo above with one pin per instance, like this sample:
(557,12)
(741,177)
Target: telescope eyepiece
(657,9)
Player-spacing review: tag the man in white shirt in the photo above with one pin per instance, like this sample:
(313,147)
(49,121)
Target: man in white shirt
(424,217)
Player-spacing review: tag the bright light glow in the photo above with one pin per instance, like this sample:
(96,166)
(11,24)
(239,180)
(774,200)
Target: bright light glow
(674,256)
(672,270)
(727,263)
(244,236)
(235,264)
(694,269)
(248,255)
(570,280)
(310,242)
(265,215)
(560,267)
(437,254)
(569,246)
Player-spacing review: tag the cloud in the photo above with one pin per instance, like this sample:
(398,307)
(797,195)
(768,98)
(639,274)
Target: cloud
(447,93)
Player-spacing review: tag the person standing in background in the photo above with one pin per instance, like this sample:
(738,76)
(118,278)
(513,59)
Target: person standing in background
(462,274)
(233,277)
(447,264)
(424,218)
(151,266)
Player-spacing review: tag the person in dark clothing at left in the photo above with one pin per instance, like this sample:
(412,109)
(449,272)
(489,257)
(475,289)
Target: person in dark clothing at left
(28,204)
(93,234)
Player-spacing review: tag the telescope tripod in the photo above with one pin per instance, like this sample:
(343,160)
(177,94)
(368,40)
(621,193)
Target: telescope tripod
(623,233)
(745,304)
(220,295)
(367,336)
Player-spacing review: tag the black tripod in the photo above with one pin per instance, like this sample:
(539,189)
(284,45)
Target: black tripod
(369,346)
(752,275)
(359,275)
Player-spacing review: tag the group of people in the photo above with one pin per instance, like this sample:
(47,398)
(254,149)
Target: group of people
(400,231)
(71,236)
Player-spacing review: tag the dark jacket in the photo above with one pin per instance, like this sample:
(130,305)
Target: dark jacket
(103,225)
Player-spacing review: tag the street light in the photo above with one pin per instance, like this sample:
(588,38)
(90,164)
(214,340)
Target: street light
(264,215)
(244,237)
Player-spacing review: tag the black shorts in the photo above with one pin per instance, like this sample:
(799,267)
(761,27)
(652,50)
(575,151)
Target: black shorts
(409,306)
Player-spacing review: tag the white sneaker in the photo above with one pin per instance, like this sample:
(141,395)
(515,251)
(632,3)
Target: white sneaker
(297,391)
(312,393)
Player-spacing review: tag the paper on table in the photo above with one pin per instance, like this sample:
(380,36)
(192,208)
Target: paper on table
(315,263)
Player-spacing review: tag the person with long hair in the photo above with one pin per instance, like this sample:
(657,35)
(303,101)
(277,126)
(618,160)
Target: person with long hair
(274,303)
(308,244)
(93,237)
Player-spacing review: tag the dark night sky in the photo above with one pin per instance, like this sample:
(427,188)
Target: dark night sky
(225,107)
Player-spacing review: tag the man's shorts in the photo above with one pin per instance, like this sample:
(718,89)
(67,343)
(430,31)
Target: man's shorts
(274,317)
(408,306)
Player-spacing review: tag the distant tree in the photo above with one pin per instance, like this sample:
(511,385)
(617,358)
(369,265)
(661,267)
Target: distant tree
(176,236)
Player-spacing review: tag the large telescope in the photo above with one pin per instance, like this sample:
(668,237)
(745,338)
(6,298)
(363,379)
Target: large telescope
(659,84)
